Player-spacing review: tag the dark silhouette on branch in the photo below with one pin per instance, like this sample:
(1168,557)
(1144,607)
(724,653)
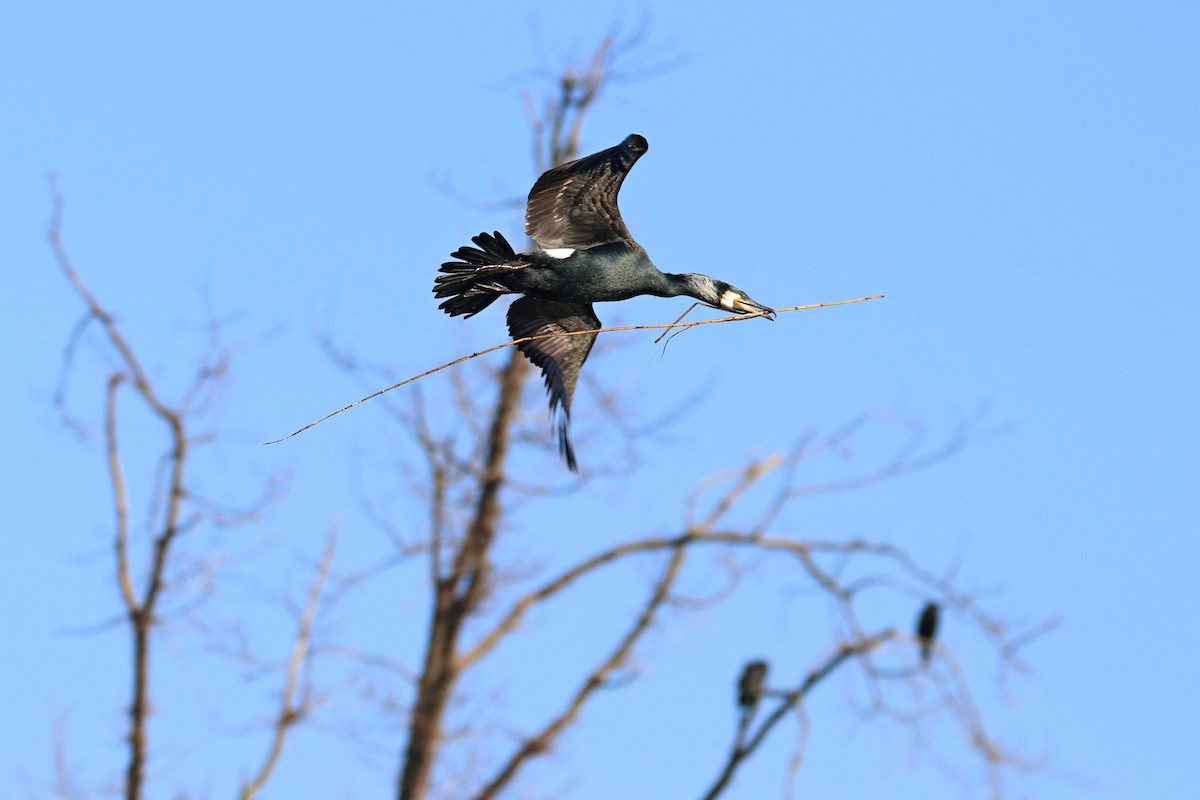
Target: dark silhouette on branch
(751,685)
(745,746)
(750,688)
(927,629)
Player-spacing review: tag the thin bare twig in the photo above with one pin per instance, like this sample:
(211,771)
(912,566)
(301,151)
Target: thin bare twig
(514,342)
(99,312)
(676,322)
(292,708)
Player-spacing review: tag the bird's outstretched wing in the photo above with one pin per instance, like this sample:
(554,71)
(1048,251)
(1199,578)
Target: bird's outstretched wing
(559,357)
(575,205)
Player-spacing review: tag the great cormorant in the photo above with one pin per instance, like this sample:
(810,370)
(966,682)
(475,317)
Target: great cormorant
(927,626)
(751,685)
(585,255)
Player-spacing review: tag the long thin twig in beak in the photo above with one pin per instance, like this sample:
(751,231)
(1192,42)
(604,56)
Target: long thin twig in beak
(741,317)
(759,309)
(676,322)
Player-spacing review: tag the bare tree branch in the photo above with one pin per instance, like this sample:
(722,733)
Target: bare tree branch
(293,707)
(115,337)
(140,596)
(465,581)
(541,742)
(791,700)
(120,495)
(66,785)
(456,596)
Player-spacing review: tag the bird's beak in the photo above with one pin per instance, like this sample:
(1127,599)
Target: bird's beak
(747,306)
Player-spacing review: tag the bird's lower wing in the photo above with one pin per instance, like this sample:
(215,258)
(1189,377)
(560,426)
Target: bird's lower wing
(561,357)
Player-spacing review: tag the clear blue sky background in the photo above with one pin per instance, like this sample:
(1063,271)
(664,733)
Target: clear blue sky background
(1021,180)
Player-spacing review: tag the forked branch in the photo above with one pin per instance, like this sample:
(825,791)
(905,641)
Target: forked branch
(541,742)
(140,589)
(743,749)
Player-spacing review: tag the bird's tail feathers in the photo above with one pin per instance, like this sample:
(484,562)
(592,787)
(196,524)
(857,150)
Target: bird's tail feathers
(475,281)
(493,249)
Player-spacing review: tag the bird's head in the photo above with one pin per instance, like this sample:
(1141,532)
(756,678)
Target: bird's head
(731,298)
(715,293)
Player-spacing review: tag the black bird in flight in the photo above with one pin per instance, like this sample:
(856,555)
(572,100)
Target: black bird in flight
(585,255)
(927,627)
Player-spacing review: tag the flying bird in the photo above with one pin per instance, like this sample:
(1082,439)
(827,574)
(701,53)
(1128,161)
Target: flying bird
(584,255)
(927,627)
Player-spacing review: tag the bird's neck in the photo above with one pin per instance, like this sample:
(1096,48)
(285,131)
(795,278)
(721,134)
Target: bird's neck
(692,284)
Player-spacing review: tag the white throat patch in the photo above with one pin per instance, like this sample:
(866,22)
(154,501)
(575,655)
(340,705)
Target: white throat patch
(728,298)
(559,252)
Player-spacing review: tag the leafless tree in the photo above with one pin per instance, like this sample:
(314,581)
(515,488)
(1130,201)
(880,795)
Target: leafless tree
(463,475)
(470,486)
(146,574)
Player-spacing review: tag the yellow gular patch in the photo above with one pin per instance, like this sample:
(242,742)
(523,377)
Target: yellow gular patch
(729,300)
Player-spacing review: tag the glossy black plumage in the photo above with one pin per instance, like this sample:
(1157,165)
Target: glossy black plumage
(586,255)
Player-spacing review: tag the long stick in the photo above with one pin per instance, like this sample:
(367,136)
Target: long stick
(676,324)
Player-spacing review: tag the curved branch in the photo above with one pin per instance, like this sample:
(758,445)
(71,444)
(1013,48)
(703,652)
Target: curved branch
(541,742)
(140,379)
(803,551)
(695,532)
(522,606)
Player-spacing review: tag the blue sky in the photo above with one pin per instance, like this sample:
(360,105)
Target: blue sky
(1021,180)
